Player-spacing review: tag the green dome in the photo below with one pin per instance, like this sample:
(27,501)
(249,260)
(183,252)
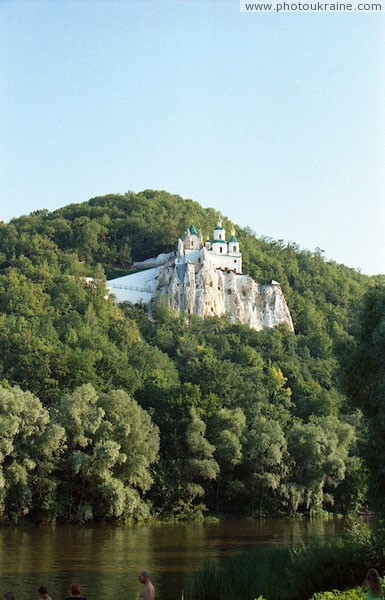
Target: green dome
(192,230)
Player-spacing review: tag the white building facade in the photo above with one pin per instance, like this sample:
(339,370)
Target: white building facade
(223,254)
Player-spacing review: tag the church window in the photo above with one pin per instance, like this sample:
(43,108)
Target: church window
(220,249)
(235,261)
(220,236)
(229,292)
(234,248)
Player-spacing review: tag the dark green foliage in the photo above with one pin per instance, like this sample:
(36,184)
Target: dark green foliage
(275,429)
(364,370)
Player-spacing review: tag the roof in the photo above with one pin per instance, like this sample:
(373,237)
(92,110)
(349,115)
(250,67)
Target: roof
(233,240)
(218,229)
(219,242)
(192,230)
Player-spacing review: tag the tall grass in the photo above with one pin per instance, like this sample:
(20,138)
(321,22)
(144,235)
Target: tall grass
(290,573)
(242,577)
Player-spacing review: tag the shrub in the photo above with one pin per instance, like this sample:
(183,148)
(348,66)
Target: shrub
(354,594)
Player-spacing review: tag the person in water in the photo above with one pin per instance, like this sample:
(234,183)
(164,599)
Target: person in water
(372,585)
(75,592)
(148,591)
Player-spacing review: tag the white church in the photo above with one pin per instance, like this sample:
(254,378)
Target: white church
(205,279)
(142,284)
(223,254)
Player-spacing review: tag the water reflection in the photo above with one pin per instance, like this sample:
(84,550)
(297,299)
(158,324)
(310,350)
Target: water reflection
(105,559)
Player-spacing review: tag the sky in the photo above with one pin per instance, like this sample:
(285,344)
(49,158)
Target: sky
(275,120)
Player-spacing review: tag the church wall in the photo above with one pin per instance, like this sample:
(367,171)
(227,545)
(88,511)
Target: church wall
(134,287)
(227,261)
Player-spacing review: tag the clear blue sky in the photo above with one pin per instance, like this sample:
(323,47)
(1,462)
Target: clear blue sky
(276,120)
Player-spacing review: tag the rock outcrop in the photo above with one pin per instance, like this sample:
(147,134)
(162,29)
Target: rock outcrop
(205,290)
(205,279)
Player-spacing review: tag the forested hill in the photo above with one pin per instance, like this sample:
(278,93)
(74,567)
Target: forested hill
(110,414)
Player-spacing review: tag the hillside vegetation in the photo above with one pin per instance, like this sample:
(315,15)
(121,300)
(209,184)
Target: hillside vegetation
(110,414)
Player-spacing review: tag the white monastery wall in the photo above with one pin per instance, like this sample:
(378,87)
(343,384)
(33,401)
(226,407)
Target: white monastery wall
(134,287)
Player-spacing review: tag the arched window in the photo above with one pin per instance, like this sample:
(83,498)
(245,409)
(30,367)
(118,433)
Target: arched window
(220,249)
(220,236)
(234,248)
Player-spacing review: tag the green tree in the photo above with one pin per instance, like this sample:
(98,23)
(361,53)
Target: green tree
(266,450)
(226,428)
(319,455)
(111,444)
(30,447)
(200,464)
(365,381)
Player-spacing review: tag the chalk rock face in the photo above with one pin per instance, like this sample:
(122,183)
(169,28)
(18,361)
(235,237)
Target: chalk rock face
(205,280)
(205,290)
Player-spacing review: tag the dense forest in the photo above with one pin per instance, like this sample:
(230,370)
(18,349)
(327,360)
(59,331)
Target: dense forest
(107,412)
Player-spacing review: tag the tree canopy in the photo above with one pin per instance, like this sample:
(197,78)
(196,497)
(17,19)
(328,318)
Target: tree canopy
(110,413)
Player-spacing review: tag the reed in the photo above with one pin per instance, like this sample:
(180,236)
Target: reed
(245,576)
(288,573)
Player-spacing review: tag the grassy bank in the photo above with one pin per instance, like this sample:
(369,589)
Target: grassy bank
(293,573)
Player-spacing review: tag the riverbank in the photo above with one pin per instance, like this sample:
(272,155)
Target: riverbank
(295,572)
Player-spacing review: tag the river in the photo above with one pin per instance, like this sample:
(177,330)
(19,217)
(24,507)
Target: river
(105,559)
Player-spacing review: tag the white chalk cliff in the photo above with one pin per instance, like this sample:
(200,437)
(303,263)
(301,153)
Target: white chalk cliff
(207,280)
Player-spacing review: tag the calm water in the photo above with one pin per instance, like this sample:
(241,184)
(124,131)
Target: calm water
(105,559)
